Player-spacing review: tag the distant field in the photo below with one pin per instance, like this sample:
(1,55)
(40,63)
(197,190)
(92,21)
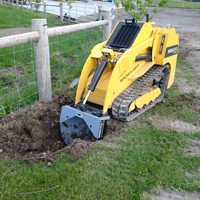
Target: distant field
(179,4)
(12,17)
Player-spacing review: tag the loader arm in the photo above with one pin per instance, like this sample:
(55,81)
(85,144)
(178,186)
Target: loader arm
(90,64)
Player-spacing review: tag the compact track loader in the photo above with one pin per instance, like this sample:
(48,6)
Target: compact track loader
(123,77)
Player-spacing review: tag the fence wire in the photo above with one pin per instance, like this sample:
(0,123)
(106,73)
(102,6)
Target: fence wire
(80,12)
(68,54)
(18,81)
(18,74)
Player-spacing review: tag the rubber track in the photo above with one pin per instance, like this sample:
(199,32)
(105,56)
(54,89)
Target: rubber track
(120,108)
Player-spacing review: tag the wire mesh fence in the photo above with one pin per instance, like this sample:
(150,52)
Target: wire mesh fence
(18,73)
(80,12)
(68,54)
(18,81)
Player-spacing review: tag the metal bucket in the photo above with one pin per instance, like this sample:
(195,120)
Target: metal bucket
(75,123)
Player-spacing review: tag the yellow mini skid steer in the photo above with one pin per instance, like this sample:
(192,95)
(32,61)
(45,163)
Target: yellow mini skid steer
(123,77)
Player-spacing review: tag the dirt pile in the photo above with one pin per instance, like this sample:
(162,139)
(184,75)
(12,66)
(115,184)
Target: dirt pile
(33,129)
(112,127)
(80,148)
(77,150)
(33,133)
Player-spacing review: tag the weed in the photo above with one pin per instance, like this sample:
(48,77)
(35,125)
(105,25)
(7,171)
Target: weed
(2,111)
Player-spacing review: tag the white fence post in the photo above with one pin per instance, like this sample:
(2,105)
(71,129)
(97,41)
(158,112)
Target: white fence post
(69,11)
(17,2)
(22,3)
(45,9)
(61,11)
(107,28)
(0,2)
(99,13)
(42,60)
(31,7)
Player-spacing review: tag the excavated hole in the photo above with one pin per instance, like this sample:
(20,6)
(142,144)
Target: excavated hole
(33,133)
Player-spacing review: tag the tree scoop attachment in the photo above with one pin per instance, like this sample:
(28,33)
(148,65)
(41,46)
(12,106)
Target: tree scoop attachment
(75,123)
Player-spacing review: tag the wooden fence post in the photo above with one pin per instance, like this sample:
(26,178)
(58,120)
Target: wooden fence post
(45,10)
(107,28)
(61,11)
(42,60)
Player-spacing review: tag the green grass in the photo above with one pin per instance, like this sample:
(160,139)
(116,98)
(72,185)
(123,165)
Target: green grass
(146,158)
(18,81)
(13,17)
(179,4)
(69,53)
(187,72)
(177,105)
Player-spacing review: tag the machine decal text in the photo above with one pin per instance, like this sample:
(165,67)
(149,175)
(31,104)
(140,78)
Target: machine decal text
(134,68)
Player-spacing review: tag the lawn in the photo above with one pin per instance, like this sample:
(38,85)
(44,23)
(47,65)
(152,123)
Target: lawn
(12,17)
(140,161)
(179,4)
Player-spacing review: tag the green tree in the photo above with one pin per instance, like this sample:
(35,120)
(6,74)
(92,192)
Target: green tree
(37,6)
(139,6)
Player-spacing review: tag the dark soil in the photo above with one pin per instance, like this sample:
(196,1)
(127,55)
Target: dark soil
(112,127)
(183,54)
(77,150)
(33,133)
